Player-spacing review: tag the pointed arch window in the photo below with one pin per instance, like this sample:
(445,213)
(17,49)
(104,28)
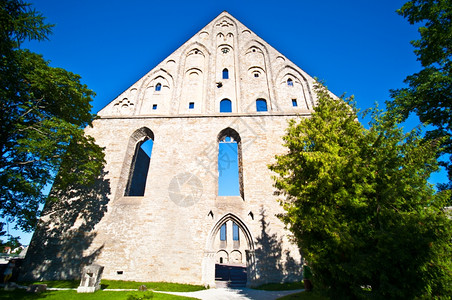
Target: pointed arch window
(223,232)
(289,82)
(158,87)
(235,231)
(139,167)
(225,106)
(225,73)
(261,105)
(230,171)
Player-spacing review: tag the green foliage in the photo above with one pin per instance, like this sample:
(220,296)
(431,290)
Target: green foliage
(429,92)
(12,242)
(360,207)
(44,111)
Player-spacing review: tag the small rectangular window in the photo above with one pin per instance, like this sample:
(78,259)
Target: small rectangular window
(191,105)
(154,106)
(294,102)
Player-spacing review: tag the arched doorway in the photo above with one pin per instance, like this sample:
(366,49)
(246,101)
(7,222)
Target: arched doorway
(229,254)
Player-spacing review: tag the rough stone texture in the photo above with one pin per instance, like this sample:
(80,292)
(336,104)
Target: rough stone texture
(91,277)
(172,232)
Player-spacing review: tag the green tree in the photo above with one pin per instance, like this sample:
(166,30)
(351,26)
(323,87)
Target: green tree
(429,92)
(44,111)
(359,205)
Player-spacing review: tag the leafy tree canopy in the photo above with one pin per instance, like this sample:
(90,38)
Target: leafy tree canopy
(359,205)
(429,92)
(44,111)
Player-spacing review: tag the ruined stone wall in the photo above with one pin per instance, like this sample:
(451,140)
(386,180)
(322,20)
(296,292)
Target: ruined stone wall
(169,233)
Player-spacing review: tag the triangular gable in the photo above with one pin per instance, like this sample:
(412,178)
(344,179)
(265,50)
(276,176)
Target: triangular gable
(189,81)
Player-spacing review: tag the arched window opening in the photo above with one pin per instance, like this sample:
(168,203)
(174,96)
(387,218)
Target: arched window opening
(235,232)
(289,82)
(139,168)
(261,105)
(225,106)
(230,179)
(294,103)
(225,73)
(158,87)
(223,232)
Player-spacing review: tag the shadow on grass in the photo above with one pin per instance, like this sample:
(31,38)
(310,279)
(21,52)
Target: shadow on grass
(314,295)
(66,284)
(281,286)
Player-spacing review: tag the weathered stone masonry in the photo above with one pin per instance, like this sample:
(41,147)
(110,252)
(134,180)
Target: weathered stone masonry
(174,231)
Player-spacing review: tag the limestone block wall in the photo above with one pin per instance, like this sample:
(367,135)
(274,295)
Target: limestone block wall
(168,234)
(164,234)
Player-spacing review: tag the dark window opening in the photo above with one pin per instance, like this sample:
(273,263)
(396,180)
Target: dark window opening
(289,82)
(154,106)
(225,106)
(119,272)
(225,74)
(158,87)
(191,105)
(261,105)
(294,102)
(256,74)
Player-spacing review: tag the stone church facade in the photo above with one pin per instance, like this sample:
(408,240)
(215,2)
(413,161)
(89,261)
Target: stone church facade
(156,213)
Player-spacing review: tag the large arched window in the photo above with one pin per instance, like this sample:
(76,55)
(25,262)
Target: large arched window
(139,167)
(261,105)
(225,73)
(230,171)
(225,106)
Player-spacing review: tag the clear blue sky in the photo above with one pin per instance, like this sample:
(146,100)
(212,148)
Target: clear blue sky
(357,47)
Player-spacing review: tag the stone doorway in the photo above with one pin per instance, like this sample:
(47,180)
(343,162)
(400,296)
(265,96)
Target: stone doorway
(229,255)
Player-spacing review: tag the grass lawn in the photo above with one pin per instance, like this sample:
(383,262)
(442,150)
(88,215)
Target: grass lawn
(119,284)
(156,286)
(73,295)
(105,284)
